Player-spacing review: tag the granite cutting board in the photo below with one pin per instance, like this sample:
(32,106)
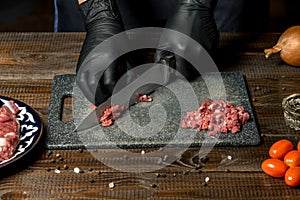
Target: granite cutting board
(61,135)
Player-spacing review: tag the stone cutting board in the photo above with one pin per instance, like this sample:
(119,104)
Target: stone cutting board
(61,135)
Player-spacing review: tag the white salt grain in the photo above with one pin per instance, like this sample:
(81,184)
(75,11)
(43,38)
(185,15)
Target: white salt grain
(206,179)
(76,170)
(111,185)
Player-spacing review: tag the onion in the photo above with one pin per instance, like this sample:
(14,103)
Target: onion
(289,47)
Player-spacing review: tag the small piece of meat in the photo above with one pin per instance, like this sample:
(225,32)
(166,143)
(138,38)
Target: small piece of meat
(216,116)
(110,114)
(144,98)
(9,130)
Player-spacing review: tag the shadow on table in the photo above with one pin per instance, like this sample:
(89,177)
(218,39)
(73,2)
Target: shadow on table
(239,45)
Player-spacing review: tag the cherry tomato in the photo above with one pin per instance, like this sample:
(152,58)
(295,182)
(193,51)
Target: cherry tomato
(280,148)
(274,167)
(292,158)
(298,146)
(292,176)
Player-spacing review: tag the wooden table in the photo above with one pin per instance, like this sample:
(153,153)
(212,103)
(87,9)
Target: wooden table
(28,63)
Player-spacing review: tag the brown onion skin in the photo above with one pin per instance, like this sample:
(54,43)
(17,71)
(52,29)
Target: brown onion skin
(289,47)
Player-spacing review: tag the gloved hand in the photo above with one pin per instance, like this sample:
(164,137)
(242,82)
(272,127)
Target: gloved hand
(102,20)
(195,19)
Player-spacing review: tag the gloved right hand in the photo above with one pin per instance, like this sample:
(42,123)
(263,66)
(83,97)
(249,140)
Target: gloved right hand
(102,20)
(195,19)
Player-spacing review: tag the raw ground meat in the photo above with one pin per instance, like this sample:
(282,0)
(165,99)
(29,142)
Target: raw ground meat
(144,98)
(216,116)
(9,130)
(111,113)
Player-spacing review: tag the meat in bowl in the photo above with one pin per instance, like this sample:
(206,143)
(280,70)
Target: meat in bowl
(9,130)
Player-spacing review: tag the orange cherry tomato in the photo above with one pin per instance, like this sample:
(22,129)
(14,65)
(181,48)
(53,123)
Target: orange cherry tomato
(274,167)
(292,176)
(280,148)
(292,158)
(298,146)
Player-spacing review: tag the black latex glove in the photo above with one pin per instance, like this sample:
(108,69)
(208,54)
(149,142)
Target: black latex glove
(195,19)
(102,20)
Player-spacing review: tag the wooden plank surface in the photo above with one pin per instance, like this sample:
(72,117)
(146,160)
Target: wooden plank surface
(28,62)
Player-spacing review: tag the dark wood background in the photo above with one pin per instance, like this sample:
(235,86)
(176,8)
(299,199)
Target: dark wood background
(38,15)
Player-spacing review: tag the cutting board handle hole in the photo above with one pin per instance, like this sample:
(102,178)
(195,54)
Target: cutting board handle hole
(67,109)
